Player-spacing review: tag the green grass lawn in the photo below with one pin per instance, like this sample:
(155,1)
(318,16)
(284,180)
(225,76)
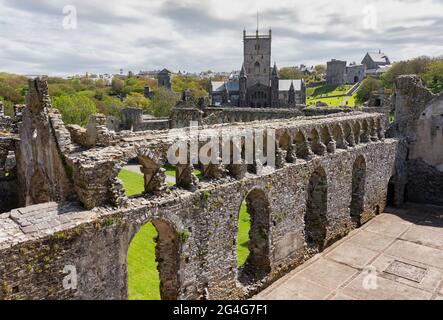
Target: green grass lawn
(143,276)
(170,171)
(243,235)
(132,182)
(331,95)
(328,91)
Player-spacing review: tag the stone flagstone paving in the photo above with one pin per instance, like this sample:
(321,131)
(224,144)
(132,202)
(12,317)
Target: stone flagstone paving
(397,255)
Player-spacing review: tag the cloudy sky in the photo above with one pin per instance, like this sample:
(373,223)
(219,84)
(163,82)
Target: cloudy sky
(39,36)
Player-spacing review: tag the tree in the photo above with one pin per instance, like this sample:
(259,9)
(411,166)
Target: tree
(75,109)
(162,102)
(117,85)
(367,86)
(290,73)
(137,100)
(197,86)
(111,106)
(433,75)
(320,69)
(415,66)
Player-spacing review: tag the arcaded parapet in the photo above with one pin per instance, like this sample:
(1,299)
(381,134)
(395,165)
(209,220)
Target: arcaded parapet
(419,123)
(296,211)
(41,172)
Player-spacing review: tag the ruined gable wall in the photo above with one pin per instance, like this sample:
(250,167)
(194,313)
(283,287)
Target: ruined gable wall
(41,172)
(419,123)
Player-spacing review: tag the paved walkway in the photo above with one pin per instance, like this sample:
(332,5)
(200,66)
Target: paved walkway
(397,255)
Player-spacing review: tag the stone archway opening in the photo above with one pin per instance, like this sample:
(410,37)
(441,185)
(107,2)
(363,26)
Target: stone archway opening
(316,211)
(257,264)
(390,196)
(153,263)
(358,190)
(132,178)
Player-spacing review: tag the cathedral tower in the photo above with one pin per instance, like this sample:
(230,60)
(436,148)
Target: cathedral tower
(257,57)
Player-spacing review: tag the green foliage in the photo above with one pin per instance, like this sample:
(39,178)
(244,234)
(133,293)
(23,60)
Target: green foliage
(13,87)
(198,87)
(117,85)
(183,236)
(75,109)
(415,66)
(433,76)
(290,73)
(137,100)
(429,69)
(367,86)
(163,101)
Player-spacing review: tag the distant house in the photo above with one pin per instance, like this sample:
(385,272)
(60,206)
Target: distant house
(375,60)
(307,70)
(164,79)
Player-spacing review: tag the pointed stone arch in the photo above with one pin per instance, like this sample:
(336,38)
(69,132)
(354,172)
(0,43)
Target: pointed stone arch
(372,130)
(327,140)
(316,211)
(303,150)
(167,256)
(356,128)
(317,145)
(284,141)
(364,136)
(152,169)
(356,206)
(337,133)
(258,263)
(348,134)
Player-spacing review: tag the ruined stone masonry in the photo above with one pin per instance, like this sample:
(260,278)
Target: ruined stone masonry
(66,206)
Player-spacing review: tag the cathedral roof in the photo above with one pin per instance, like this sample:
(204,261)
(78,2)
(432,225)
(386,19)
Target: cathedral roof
(220,86)
(285,85)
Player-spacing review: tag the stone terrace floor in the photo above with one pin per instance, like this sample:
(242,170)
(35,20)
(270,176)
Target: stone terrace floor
(397,255)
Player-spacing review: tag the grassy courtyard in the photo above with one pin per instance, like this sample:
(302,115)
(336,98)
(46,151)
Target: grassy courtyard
(143,277)
(331,95)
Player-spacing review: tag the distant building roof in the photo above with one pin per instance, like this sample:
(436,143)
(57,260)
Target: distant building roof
(284,85)
(219,86)
(165,71)
(378,57)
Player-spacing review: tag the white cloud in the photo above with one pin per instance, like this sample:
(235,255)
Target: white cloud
(195,35)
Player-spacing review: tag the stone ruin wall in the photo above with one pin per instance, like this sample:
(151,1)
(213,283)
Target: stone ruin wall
(419,124)
(197,221)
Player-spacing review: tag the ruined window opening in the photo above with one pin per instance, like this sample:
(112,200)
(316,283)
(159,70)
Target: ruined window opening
(132,178)
(257,264)
(358,190)
(153,263)
(316,210)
